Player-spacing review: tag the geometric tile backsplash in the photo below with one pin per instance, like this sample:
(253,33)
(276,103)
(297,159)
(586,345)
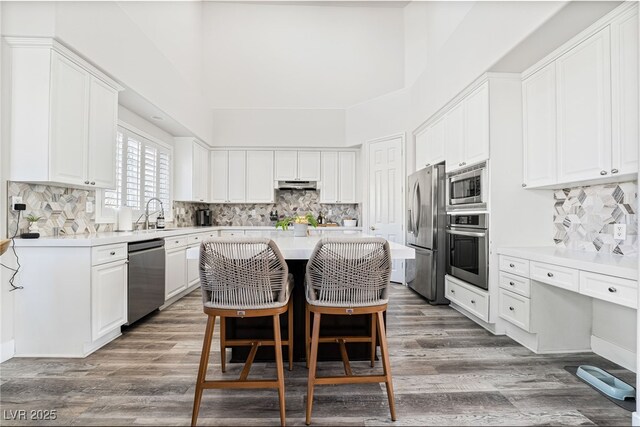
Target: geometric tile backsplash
(584,218)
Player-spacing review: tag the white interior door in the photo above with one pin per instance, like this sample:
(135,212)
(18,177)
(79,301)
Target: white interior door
(386,197)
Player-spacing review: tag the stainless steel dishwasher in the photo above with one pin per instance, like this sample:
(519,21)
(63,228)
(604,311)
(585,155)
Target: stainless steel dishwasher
(146,278)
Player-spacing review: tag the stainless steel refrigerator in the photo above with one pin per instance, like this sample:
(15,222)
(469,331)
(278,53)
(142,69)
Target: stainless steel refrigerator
(426,217)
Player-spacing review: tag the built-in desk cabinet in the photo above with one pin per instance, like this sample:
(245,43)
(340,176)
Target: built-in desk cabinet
(580,107)
(63,116)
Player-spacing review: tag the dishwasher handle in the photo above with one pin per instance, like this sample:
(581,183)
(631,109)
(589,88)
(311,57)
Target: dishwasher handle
(147,244)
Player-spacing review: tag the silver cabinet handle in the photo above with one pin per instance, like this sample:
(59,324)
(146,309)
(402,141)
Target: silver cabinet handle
(177,241)
(453,291)
(524,185)
(614,171)
(512,284)
(603,172)
(460,164)
(473,301)
(372,228)
(613,290)
(550,274)
(512,309)
(512,265)
(93,183)
(112,253)
(464,163)
(86,182)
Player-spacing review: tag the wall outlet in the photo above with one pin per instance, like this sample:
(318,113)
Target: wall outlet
(619,231)
(15,200)
(89,207)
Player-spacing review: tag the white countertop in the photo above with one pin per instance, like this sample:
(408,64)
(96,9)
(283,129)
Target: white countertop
(302,247)
(107,238)
(610,264)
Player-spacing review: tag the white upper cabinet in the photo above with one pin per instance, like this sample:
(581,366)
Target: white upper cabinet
(69,121)
(466,130)
(191,170)
(430,144)
(286,165)
(103,116)
(338,183)
(454,137)
(588,92)
(309,165)
(260,177)
(584,110)
(63,116)
(291,165)
(624,86)
(237,176)
(219,176)
(539,127)
(476,125)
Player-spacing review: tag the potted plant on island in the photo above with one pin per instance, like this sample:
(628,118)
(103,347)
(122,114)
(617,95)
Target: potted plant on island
(300,224)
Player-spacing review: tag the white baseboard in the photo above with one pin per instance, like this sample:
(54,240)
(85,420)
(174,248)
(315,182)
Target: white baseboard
(491,327)
(7,350)
(635,419)
(613,352)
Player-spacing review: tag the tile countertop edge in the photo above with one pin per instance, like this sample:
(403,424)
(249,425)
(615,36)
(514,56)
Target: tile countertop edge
(115,237)
(624,266)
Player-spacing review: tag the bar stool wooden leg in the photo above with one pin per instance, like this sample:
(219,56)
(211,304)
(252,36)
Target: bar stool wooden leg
(202,370)
(312,365)
(307,332)
(384,350)
(279,365)
(223,344)
(290,333)
(373,340)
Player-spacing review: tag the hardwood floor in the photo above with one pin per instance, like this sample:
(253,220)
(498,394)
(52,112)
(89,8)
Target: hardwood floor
(446,371)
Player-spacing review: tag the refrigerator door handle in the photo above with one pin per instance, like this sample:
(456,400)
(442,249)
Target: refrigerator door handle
(409,224)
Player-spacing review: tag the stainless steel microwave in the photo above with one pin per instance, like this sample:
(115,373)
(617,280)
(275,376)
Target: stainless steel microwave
(466,189)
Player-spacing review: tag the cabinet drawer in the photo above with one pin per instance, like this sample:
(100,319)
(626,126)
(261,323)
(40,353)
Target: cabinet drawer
(196,239)
(108,253)
(255,233)
(517,284)
(514,308)
(609,288)
(471,300)
(562,277)
(229,233)
(175,242)
(513,265)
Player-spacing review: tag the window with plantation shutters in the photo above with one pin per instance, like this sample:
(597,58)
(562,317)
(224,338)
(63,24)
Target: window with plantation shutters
(143,171)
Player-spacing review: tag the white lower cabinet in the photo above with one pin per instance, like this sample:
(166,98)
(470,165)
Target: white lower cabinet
(175,271)
(515,308)
(227,233)
(473,300)
(609,288)
(193,270)
(108,298)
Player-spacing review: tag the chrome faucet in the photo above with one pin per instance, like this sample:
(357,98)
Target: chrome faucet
(146,213)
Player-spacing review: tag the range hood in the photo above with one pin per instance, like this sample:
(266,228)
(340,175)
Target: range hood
(297,185)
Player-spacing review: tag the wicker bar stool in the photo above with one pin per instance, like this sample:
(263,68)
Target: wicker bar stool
(348,276)
(244,277)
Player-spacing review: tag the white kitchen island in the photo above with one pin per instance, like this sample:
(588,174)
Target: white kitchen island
(300,248)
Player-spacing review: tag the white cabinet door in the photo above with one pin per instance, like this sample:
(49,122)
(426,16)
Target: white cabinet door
(476,125)
(175,272)
(200,173)
(624,85)
(286,165)
(309,165)
(219,176)
(108,298)
(422,147)
(237,176)
(329,178)
(69,122)
(347,177)
(103,122)
(260,177)
(584,110)
(436,143)
(454,138)
(193,271)
(539,127)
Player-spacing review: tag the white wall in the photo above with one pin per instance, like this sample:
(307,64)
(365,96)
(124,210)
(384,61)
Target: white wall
(147,47)
(279,127)
(266,55)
